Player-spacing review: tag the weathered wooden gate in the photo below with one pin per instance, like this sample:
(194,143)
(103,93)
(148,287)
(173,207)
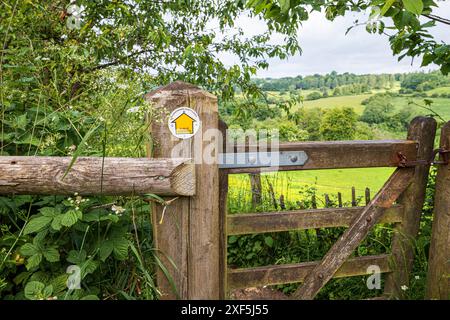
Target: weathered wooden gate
(192,239)
(406,187)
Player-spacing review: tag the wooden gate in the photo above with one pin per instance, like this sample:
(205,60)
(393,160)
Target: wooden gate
(399,201)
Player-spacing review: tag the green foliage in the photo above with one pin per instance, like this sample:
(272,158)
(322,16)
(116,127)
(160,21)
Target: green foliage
(339,124)
(76,231)
(424,81)
(341,84)
(289,131)
(378,109)
(409,37)
(314,96)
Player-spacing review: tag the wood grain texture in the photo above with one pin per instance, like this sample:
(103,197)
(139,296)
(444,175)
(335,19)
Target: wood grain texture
(94,175)
(422,130)
(189,234)
(223,211)
(291,273)
(341,154)
(356,232)
(250,223)
(438,279)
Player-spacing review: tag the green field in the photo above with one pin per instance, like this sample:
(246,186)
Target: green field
(291,184)
(439,90)
(440,105)
(340,101)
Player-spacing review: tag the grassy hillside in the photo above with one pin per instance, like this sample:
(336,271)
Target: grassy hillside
(342,101)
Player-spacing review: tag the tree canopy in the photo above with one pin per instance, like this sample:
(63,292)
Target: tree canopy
(398,19)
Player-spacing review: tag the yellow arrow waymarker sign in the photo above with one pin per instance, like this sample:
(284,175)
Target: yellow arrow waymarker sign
(183,123)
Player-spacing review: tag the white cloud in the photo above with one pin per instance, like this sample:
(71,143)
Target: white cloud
(326,47)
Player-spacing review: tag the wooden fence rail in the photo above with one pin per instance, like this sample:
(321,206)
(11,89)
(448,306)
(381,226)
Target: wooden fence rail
(291,273)
(278,221)
(339,154)
(95,175)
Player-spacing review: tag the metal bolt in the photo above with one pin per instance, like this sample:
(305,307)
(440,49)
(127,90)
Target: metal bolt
(293,158)
(368,219)
(320,276)
(252,159)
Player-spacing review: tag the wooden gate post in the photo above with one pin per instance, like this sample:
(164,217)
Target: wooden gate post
(438,279)
(422,130)
(188,234)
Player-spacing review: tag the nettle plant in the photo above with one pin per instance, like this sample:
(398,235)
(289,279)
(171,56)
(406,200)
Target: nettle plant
(75,248)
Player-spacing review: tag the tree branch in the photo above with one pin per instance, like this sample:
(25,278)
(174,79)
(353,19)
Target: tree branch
(437,18)
(120,60)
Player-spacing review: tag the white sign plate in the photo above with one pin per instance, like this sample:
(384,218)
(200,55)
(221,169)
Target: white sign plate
(184,123)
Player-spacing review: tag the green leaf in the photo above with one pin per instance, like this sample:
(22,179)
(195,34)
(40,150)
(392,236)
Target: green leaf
(387,6)
(89,266)
(80,149)
(120,248)
(59,283)
(76,257)
(34,261)
(155,197)
(413,6)
(36,224)
(427,59)
(56,223)
(51,254)
(21,122)
(29,249)
(71,217)
(269,241)
(33,290)
(49,211)
(47,292)
(105,250)
(285,5)
(110,217)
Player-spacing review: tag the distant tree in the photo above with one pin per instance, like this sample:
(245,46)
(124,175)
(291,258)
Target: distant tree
(289,131)
(400,120)
(337,92)
(339,124)
(314,96)
(375,113)
(309,120)
(378,109)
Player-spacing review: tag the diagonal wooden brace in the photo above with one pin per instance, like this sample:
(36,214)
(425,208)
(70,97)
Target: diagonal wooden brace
(353,236)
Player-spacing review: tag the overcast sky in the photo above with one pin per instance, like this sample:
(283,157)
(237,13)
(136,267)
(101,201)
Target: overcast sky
(326,47)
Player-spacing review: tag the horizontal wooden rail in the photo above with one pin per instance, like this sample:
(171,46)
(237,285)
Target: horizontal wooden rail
(95,175)
(248,223)
(340,154)
(291,273)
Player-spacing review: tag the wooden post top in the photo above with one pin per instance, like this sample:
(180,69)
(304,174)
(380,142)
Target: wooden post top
(179,88)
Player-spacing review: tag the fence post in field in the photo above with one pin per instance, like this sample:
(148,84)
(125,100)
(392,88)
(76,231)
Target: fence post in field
(327,200)
(353,197)
(438,279)
(255,183)
(422,130)
(367,194)
(188,236)
(339,199)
